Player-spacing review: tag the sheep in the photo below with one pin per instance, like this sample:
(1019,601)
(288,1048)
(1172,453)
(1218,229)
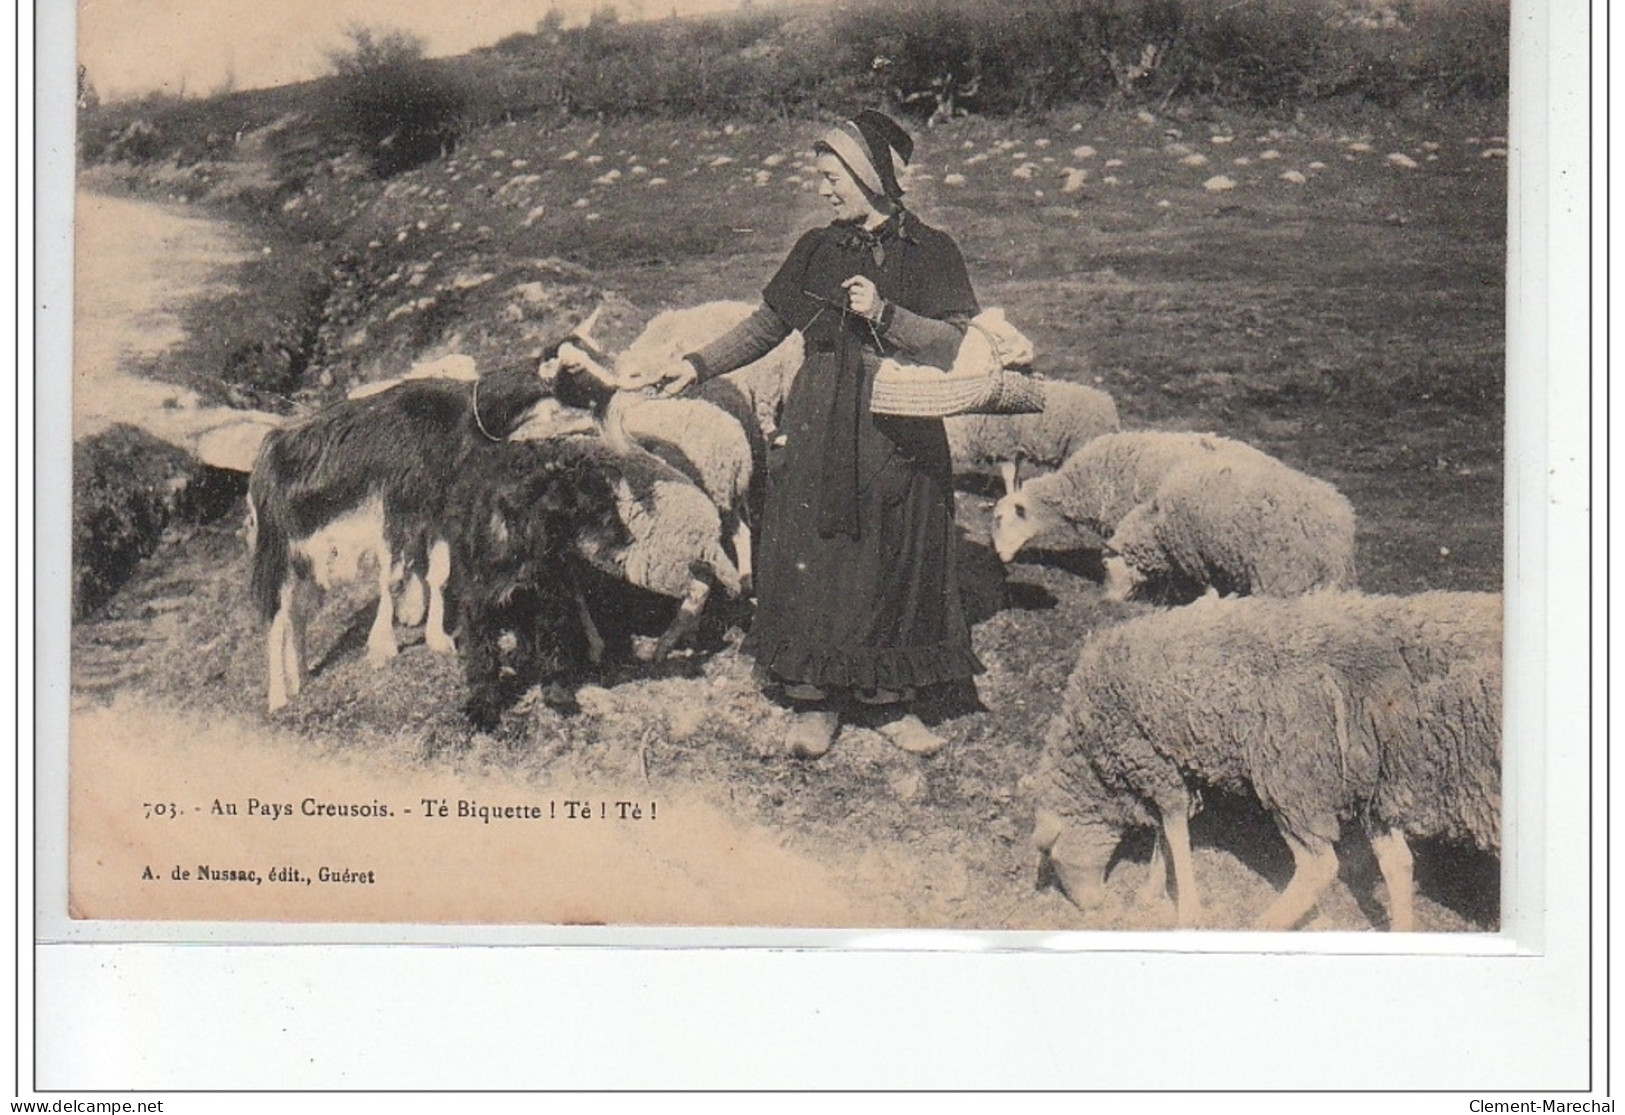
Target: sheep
(1073,415)
(368,476)
(675,545)
(1328,707)
(700,439)
(1178,513)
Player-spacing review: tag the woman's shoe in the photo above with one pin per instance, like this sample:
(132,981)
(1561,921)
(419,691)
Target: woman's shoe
(812,733)
(911,734)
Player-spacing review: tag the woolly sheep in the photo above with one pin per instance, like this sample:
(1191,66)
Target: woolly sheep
(1182,512)
(676,548)
(700,439)
(1328,707)
(1073,415)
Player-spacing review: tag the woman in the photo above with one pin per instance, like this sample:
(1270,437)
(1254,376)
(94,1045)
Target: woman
(856,594)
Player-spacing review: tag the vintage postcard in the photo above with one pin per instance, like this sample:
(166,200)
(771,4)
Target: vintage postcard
(488,505)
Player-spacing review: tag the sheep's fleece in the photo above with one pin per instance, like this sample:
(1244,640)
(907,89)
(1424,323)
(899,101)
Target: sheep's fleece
(1329,707)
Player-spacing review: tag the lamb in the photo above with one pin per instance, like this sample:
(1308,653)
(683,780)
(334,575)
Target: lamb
(1073,416)
(676,548)
(1178,513)
(1328,707)
(368,476)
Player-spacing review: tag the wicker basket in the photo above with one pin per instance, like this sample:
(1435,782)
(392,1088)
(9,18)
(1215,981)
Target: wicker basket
(980,382)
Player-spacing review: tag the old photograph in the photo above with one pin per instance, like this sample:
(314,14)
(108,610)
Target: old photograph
(1023,465)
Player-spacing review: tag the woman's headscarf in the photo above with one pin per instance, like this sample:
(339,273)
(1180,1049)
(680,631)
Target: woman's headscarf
(874,148)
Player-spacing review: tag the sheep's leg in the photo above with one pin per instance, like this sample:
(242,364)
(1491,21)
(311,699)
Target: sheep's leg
(742,552)
(1155,887)
(381,639)
(1082,876)
(1394,859)
(1176,829)
(687,618)
(595,640)
(434,633)
(1315,868)
(1010,471)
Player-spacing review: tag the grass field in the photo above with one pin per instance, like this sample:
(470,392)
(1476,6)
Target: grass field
(1337,300)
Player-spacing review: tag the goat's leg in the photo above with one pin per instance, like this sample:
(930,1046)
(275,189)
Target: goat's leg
(414,601)
(434,633)
(595,640)
(687,618)
(1394,859)
(1315,868)
(1176,829)
(276,650)
(305,598)
(284,646)
(381,639)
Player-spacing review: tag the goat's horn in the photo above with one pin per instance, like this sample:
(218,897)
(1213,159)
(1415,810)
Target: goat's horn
(584,330)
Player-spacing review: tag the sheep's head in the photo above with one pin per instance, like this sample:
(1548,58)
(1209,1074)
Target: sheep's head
(1076,854)
(992,343)
(1017,519)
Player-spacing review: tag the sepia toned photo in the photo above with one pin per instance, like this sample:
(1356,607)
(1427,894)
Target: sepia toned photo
(995,466)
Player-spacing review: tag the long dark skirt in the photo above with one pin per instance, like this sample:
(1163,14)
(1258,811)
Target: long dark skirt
(881,610)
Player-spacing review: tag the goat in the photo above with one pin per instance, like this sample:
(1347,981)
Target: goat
(370,476)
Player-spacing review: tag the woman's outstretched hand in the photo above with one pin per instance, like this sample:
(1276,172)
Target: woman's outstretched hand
(862,298)
(676,378)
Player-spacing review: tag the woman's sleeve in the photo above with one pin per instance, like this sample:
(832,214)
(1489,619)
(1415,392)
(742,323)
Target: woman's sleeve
(746,343)
(928,330)
(924,340)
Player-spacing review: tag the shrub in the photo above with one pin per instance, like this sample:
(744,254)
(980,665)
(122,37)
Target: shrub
(391,105)
(127,488)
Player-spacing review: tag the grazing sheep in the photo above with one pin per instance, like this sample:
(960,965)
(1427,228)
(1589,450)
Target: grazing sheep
(1328,708)
(1180,512)
(369,476)
(1073,416)
(1081,503)
(675,531)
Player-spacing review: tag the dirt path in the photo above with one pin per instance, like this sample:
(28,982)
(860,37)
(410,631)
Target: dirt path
(136,265)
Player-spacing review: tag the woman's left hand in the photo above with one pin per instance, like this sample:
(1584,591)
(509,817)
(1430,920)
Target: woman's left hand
(862,298)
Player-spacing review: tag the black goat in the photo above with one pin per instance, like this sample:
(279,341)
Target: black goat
(530,520)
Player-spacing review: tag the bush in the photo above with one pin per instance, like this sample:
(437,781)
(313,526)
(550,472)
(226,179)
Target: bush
(391,105)
(127,488)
